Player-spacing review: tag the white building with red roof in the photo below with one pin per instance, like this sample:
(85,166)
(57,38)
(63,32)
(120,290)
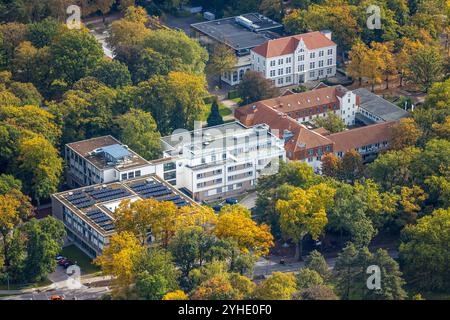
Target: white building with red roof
(296,59)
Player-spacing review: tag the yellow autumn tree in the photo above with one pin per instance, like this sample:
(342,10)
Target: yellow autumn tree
(9,219)
(176,295)
(408,48)
(190,216)
(405,133)
(148,215)
(357,54)
(410,202)
(389,67)
(235,223)
(373,66)
(279,286)
(118,258)
(304,212)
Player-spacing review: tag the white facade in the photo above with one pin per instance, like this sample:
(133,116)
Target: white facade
(221,161)
(92,168)
(301,66)
(348,108)
(234,76)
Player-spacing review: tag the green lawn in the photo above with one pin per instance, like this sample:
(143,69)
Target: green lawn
(224,111)
(83,261)
(237,100)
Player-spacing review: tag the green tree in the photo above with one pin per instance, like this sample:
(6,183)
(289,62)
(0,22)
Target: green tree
(112,73)
(254,87)
(176,45)
(40,167)
(214,117)
(156,274)
(315,261)
(138,130)
(426,67)
(307,278)
(86,110)
(222,59)
(45,238)
(74,53)
(352,166)
(332,123)
(393,168)
(424,252)
(319,292)
(42,33)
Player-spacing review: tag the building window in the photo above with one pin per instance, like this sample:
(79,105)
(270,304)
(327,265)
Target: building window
(330,51)
(312,74)
(329,71)
(288,70)
(272,63)
(280,72)
(130,175)
(280,81)
(312,55)
(320,63)
(272,73)
(124,176)
(321,53)
(288,79)
(312,65)
(301,58)
(330,62)
(301,68)
(280,61)
(320,73)
(137,173)
(288,60)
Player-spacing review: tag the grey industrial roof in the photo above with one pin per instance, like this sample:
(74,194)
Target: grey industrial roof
(378,106)
(228,31)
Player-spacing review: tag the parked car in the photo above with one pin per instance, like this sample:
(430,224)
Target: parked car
(62,261)
(231,201)
(56,298)
(217,208)
(67,264)
(59,257)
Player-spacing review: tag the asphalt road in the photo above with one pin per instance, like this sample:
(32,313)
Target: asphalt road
(67,294)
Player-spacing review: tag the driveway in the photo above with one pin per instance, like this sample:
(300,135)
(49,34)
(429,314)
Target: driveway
(249,201)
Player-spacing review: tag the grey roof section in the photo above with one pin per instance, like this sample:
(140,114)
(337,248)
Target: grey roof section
(378,106)
(228,31)
(116,151)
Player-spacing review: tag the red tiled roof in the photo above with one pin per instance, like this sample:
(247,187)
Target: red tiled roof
(287,45)
(302,138)
(303,100)
(359,137)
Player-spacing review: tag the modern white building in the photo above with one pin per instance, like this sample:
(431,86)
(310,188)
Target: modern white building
(296,59)
(88,212)
(221,161)
(102,160)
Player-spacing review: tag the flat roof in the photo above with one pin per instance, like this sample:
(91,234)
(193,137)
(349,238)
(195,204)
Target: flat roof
(210,139)
(378,106)
(100,151)
(228,31)
(96,204)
